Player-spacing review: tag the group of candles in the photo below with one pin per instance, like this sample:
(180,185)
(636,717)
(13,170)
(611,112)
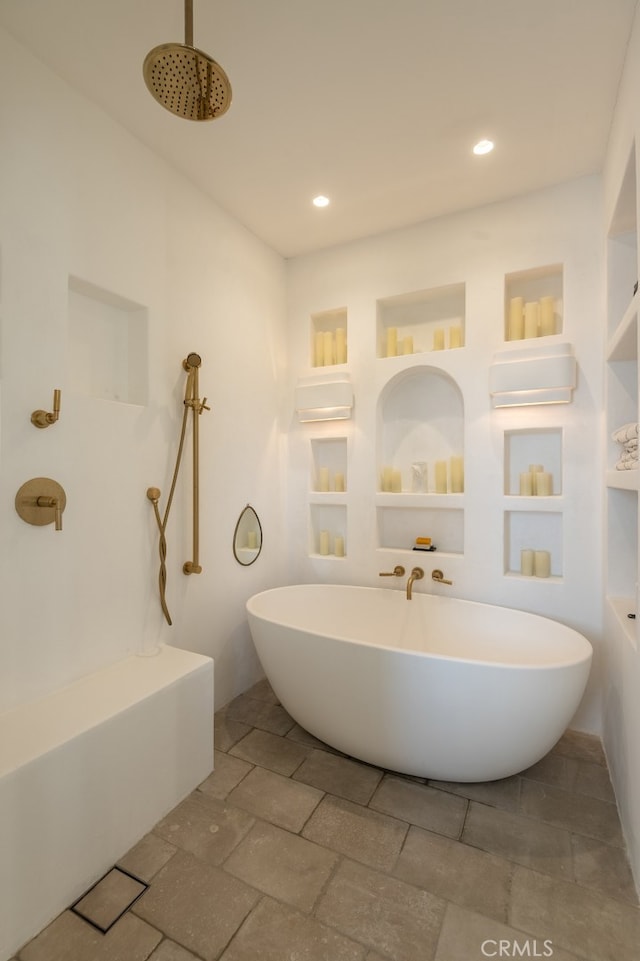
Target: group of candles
(326,482)
(536,481)
(396,346)
(535,563)
(535,318)
(324,544)
(330,347)
(448,477)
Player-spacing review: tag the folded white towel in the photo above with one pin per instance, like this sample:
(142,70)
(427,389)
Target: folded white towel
(625,433)
(627,465)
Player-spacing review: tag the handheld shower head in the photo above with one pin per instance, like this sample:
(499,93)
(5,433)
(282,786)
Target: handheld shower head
(186,81)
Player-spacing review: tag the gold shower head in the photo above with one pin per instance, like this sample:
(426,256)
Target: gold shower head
(186,81)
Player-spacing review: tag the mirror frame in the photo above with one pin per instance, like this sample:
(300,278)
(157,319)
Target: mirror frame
(248,510)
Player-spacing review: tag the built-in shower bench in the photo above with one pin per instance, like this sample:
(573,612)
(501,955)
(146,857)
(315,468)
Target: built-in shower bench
(86,771)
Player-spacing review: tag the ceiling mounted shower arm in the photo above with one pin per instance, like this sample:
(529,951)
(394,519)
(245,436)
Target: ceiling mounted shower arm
(188,23)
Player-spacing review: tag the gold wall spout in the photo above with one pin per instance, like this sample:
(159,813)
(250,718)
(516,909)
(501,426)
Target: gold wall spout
(43,418)
(41,501)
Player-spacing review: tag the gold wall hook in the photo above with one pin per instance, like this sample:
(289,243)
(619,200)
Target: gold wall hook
(41,501)
(43,418)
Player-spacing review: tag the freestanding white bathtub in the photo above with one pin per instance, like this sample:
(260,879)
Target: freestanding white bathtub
(435,687)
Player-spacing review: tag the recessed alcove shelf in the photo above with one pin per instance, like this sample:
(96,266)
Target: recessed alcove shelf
(414,321)
(532,286)
(525,448)
(328,338)
(538,530)
(328,465)
(107,344)
(329,520)
(399,527)
(421,422)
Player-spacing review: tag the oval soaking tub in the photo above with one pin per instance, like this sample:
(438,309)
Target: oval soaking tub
(436,687)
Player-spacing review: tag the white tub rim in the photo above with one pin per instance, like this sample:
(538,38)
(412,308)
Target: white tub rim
(530,616)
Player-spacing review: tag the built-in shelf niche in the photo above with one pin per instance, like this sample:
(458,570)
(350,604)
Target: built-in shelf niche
(107,344)
(526,448)
(421,321)
(536,531)
(532,287)
(420,421)
(622,520)
(328,523)
(622,249)
(328,338)
(329,465)
(398,528)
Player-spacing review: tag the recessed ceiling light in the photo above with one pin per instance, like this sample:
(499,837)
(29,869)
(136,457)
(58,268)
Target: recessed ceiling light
(483,146)
(320,201)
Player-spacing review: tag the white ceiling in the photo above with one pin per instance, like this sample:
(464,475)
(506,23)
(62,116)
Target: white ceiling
(375,103)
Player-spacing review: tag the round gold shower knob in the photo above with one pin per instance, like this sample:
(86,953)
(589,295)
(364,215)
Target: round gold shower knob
(41,501)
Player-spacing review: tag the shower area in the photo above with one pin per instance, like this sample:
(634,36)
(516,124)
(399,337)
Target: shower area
(112,268)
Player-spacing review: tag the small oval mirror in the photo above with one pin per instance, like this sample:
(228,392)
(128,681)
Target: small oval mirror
(247,537)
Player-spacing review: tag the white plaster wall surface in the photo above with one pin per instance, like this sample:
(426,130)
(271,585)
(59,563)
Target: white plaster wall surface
(561,225)
(80,197)
(621,709)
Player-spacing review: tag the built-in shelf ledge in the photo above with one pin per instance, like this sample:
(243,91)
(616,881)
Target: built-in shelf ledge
(624,480)
(410,499)
(623,343)
(621,608)
(552,579)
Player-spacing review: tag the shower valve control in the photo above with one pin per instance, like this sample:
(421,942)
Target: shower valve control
(41,501)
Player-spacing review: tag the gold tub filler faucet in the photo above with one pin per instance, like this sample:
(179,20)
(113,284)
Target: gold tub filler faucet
(192,403)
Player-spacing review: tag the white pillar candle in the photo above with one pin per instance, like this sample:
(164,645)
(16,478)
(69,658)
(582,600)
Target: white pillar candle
(341,345)
(338,545)
(535,469)
(323,479)
(542,563)
(252,540)
(515,329)
(547,316)
(329,348)
(318,349)
(531,318)
(526,483)
(407,345)
(438,338)
(338,481)
(455,336)
(396,481)
(392,341)
(441,477)
(544,483)
(387,473)
(324,542)
(526,562)
(456,465)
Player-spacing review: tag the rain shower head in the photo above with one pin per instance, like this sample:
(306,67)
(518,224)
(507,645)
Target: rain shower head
(186,81)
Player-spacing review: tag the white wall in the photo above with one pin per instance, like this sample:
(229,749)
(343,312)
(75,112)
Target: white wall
(80,197)
(621,722)
(561,225)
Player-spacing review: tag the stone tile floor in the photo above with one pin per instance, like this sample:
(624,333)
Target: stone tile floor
(290,851)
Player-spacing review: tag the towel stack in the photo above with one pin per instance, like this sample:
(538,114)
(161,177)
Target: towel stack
(627,437)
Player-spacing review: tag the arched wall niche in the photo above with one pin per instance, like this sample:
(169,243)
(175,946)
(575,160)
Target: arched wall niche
(420,421)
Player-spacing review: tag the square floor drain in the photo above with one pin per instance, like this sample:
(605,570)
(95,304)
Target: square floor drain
(109,898)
